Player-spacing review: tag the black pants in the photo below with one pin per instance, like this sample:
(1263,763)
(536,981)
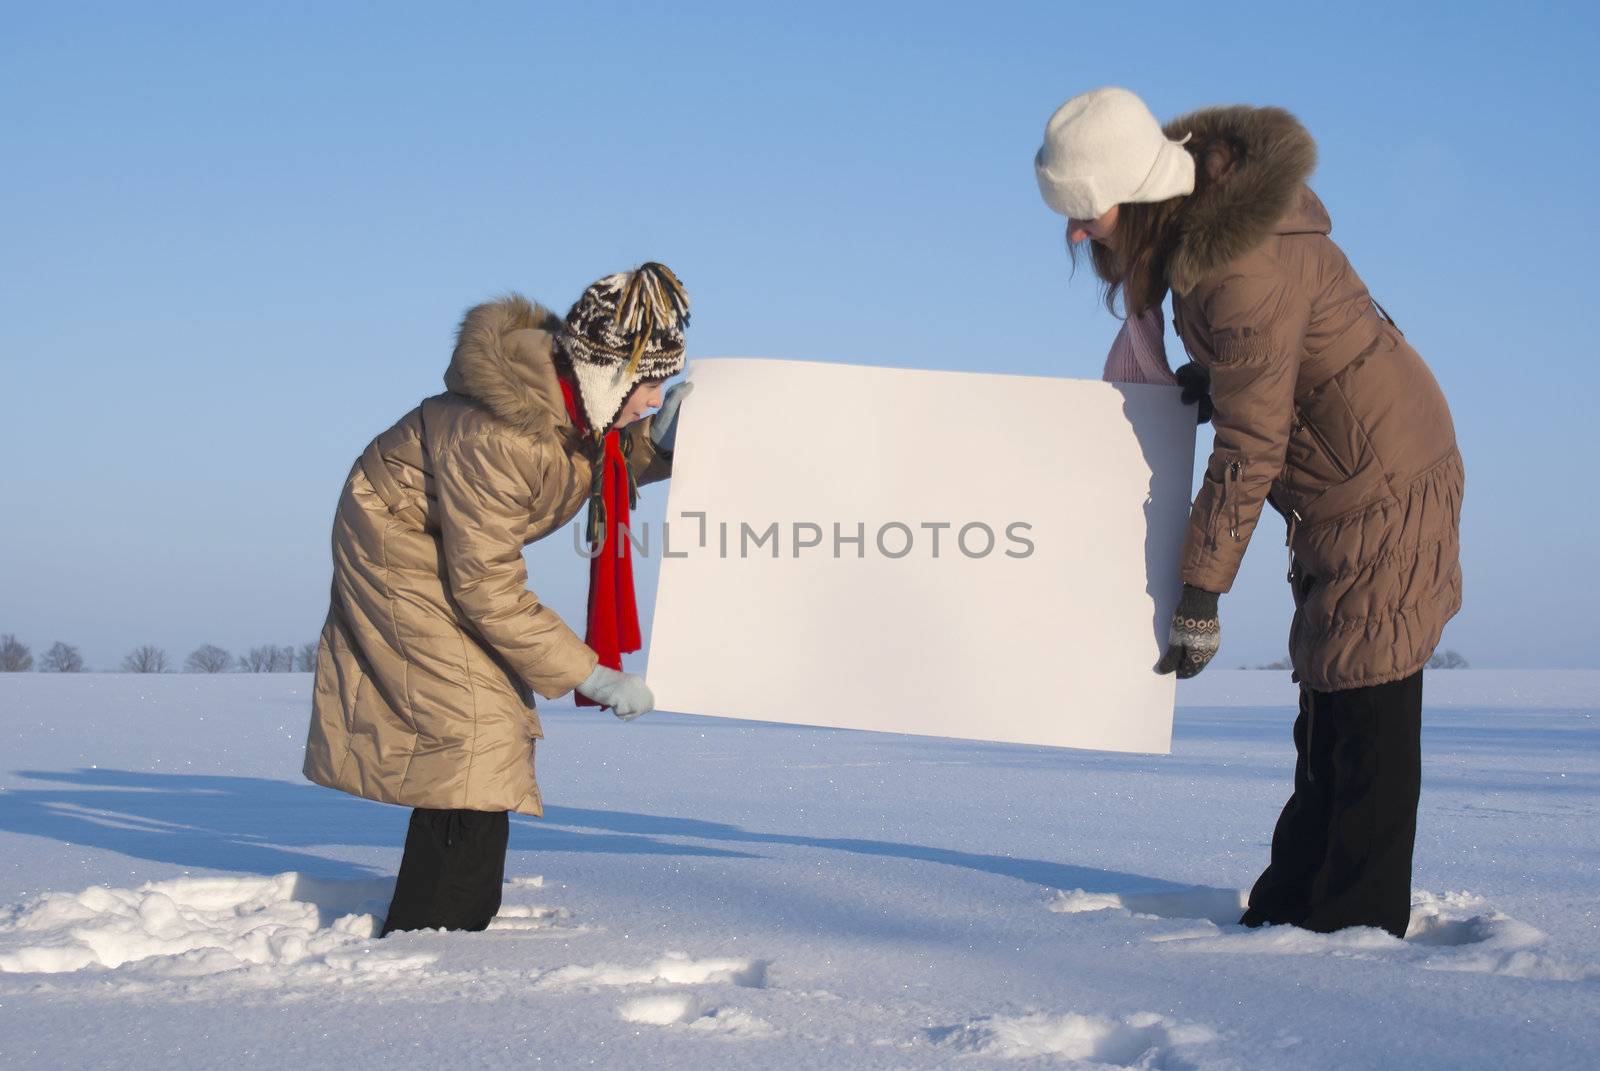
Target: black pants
(452,871)
(1341,853)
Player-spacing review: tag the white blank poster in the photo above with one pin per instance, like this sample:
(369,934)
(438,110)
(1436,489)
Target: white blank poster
(943,553)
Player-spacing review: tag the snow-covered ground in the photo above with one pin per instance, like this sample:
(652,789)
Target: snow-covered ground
(707,893)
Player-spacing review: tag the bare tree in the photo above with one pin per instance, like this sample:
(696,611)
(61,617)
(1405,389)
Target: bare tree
(146,659)
(1447,660)
(208,658)
(268,658)
(61,658)
(306,660)
(14,655)
(258,659)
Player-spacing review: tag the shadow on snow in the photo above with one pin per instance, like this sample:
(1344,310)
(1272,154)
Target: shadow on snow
(261,826)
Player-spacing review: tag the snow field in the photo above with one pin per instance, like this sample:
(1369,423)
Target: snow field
(720,894)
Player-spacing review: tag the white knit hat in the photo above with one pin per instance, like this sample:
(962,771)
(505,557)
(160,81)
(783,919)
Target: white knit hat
(1104,148)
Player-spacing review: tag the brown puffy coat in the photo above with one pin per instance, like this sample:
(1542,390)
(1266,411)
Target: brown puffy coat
(1322,410)
(433,641)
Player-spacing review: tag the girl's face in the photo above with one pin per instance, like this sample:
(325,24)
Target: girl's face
(1096,230)
(643,398)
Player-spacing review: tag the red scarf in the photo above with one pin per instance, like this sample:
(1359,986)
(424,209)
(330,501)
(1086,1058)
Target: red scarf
(613,628)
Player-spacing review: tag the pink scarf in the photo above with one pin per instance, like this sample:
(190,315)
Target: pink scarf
(1138,354)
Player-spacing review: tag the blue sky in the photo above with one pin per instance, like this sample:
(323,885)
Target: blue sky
(237,239)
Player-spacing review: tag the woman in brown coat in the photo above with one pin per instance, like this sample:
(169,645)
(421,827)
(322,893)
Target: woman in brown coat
(1323,411)
(433,645)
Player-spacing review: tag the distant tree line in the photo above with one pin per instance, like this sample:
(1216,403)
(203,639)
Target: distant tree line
(17,657)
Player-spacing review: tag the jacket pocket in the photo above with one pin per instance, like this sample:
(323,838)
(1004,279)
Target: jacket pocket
(1322,446)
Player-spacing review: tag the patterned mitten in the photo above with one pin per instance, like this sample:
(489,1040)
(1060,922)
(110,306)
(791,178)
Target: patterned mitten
(1195,636)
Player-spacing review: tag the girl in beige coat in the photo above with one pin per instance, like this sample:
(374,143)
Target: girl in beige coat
(434,646)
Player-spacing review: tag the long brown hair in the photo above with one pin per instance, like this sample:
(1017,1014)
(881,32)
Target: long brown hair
(1146,234)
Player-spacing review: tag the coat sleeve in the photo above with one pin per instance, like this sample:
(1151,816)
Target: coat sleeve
(485,486)
(1252,341)
(648,464)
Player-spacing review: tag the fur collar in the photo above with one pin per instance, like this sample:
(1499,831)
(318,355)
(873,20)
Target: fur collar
(505,359)
(1240,210)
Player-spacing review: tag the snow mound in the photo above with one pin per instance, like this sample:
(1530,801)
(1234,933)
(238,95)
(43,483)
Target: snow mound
(1221,906)
(1143,1040)
(192,927)
(675,968)
(687,1009)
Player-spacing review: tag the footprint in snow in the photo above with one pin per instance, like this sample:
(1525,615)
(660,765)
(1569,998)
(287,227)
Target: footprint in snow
(1453,932)
(535,882)
(531,919)
(1458,931)
(688,1010)
(1144,1040)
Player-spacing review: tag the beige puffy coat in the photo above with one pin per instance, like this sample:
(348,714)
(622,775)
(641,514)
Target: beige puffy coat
(433,642)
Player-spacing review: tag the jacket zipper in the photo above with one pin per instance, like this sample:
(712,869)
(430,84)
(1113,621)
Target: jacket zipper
(1229,505)
(1230,495)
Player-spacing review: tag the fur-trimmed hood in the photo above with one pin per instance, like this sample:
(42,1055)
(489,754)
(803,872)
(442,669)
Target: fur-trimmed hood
(1263,194)
(505,358)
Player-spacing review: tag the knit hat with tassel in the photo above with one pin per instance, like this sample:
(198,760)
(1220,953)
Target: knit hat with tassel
(625,329)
